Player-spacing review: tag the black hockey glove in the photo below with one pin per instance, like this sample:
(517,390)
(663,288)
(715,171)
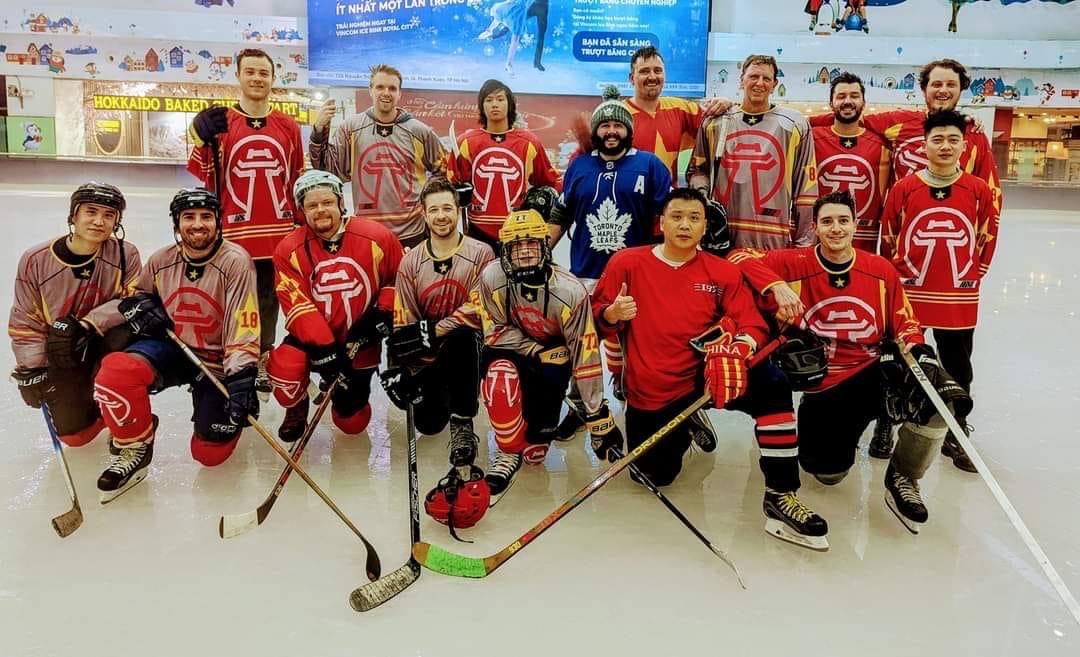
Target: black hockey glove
(210,122)
(67,343)
(145,315)
(955,397)
(717,237)
(401,386)
(328,361)
(604,434)
(243,400)
(374,325)
(464,193)
(412,342)
(34,385)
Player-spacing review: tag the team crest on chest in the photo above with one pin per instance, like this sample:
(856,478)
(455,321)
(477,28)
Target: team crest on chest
(942,193)
(193,272)
(384,130)
(255,123)
(608,227)
(442,267)
(84,272)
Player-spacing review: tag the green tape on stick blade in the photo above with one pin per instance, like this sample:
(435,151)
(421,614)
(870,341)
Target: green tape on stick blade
(456,565)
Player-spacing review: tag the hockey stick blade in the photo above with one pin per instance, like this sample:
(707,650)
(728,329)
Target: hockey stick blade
(443,561)
(373,594)
(66,523)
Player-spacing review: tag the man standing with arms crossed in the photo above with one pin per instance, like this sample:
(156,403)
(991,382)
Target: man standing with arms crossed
(386,153)
(250,156)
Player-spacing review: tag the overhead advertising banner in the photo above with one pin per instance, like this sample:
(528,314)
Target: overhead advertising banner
(539,46)
(294,109)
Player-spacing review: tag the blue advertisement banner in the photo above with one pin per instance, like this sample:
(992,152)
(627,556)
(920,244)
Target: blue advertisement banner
(536,46)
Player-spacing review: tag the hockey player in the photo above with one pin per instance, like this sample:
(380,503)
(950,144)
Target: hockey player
(758,161)
(854,301)
(436,344)
(611,198)
(203,287)
(250,156)
(853,159)
(386,153)
(538,330)
(500,161)
(941,226)
(335,282)
(659,298)
(64,317)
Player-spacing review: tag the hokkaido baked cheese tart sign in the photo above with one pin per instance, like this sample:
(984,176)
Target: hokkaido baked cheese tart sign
(538,46)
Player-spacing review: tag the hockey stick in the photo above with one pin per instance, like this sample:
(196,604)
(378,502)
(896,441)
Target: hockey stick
(645,481)
(991,483)
(373,566)
(230,526)
(66,523)
(369,596)
(443,561)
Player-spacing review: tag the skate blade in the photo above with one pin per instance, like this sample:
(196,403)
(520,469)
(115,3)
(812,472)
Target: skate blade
(777,529)
(495,498)
(909,524)
(109,496)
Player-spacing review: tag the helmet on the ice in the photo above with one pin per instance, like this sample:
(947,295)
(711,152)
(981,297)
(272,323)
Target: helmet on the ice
(457,503)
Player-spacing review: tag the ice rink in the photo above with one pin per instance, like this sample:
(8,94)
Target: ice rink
(148,575)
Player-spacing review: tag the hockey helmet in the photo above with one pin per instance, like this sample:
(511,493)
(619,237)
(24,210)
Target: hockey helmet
(803,358)
(190,199)
(99,194)
(519,227)
(540,198)
(457,503)
(316,179)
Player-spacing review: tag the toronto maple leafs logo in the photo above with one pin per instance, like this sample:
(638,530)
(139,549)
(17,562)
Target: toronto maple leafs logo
(608,227)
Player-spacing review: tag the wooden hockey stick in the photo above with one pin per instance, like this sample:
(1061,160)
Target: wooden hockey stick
(373,594)
(66,523)
(999,495)
(373,566)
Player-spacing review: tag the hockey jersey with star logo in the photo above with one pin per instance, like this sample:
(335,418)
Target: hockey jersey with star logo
(859,165)
(260,157)
(501,167)
(609,205)
(446,291)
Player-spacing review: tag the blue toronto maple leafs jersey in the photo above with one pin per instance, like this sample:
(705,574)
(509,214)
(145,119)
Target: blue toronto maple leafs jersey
(610,205)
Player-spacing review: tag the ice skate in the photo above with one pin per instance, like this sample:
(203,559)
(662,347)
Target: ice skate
(903,497)
(463,442)
(881,442)
(787,518)
(500,476)
(296,417)
(125,470)
(951,449)
(702,432)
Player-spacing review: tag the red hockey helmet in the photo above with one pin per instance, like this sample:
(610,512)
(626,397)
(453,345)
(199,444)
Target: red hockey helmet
(458,503)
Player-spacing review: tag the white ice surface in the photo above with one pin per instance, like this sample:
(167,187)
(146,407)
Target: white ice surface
(148,575)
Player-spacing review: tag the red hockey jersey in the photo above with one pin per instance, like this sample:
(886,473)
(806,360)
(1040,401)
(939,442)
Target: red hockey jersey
(675,303)
(854,310)
(668,132)
(944,239)
(261,157)
(324,286)
(860,166)
(501,167)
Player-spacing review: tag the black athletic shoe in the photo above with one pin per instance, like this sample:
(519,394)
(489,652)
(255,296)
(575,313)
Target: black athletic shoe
(292,427)
(881,443)
(903,497)
(951,449)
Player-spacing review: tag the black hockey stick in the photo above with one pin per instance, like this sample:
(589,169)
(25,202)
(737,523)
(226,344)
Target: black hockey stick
(66,523)
(373,566)
(235,524)
(999,495)
(645,481)
(369,596)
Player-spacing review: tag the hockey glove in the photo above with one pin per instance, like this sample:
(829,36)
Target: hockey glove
(412,342)
(327,361)
(145,315)
(243,400)
(401,386)
(209,123)
(34,385)
(606,438)
(717,237)
(374,325)
(900,402)
(955,397)
(725,363)
(67,343)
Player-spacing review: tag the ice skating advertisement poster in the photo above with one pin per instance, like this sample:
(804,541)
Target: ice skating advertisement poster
(537,46)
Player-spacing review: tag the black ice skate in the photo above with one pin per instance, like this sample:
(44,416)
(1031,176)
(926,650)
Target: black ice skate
(125,470)
(571,424)
(295,422)
(904,499)
(881,442)
(463,442)
(500,475)
(701,431)
(787,518)
(951,449)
